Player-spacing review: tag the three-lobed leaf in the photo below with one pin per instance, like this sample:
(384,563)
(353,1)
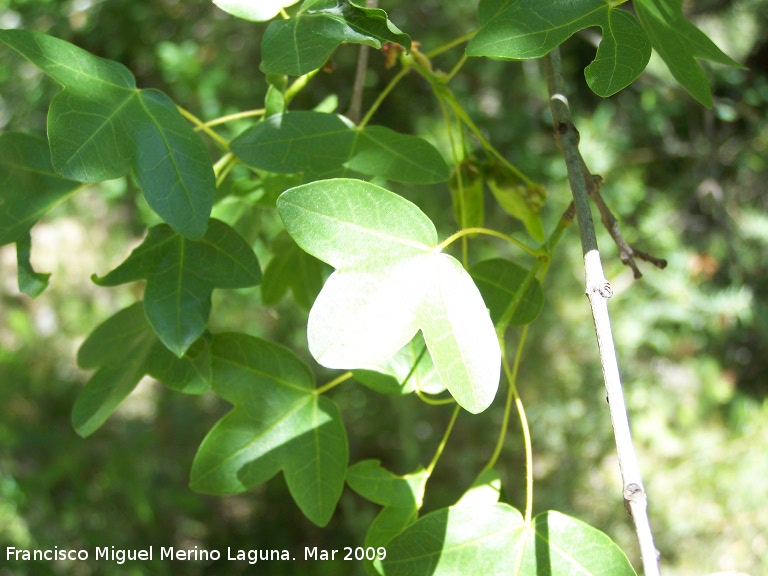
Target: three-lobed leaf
(479,536)
(102,127)
(559,544)
(305,42)
(278,423)
(458,540)
(323,145)
(181,275)
(524,29)
(123,349)
(29,188)
(389,283)
(679,43)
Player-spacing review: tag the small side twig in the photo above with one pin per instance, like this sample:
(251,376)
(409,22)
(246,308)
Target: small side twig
(598,291)
(627,252)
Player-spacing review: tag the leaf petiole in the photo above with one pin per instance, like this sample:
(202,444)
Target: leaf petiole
(444,440)
(383,95)
(451,44)
(232,117)
(200,125)
(488,232)
(333,383)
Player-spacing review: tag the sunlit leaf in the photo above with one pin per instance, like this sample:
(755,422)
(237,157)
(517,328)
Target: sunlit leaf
(679,43)
(29,188)
(278,423)
(181,275)
(389,283)
(123,349)
(485,491)
(306,41)
(102,127)
(521,29)
(494,539)
(254,10)
(560,545)
(457,541)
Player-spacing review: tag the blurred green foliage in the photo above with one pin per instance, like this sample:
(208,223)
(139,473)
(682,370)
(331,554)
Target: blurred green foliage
(687,183)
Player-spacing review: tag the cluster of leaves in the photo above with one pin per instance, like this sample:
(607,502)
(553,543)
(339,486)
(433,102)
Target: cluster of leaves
(399,313)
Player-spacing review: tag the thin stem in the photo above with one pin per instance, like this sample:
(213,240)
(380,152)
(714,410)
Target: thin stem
(202,126)
(514,304)
(434,401)
(223,167)
(444,440)
(451,44)
(487,146)
(488,232)
(298,85)
(455,69)
(459,177)
(356,102)
(232,117)
(514,396)
(598,291)
(383,95)
(333,383)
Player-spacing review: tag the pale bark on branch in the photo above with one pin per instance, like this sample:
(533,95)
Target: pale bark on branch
(583,186)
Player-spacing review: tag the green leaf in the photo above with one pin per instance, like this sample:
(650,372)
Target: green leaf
(502,282)
(123,349)
(323,145)
(390,522)
(181,275)
(521,202)
(30,282)
(456,541)
(254,10)
(401,496)
(306,41)
(389,283)
(291,268)
(407,370)
(381,486)
(379,151)
(679,43)
(29,188)
(278,423)
(302,141)
(102,127)
(494,539)
(522,29)
(559,545)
